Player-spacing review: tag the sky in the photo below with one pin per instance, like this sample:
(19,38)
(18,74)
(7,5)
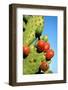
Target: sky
(50,28)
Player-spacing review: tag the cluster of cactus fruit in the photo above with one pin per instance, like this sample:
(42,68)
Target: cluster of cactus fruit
(37,53)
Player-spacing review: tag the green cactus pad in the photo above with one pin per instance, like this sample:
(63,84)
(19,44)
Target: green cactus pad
(34,22)
(32,62)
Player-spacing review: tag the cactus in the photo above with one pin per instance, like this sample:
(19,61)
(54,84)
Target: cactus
(33,23)
(32,62)
(32,30)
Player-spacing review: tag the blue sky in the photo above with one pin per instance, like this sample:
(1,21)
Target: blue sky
(50,28)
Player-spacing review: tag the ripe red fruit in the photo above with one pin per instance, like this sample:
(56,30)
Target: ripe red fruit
(49,54)
(40,45)
(26,50)
(44,66)
(46,46)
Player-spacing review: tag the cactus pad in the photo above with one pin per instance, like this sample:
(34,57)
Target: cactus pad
(33,23)
(32,62)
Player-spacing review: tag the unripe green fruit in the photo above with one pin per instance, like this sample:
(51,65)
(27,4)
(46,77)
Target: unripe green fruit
(45,38)
(39,31)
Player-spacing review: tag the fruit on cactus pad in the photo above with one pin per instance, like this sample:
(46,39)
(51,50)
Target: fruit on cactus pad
(26,50)
(46,46)
(49,54)
(40,45)
(44,66)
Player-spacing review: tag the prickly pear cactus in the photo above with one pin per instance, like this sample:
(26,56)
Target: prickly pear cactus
(32,30)
(31,24)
